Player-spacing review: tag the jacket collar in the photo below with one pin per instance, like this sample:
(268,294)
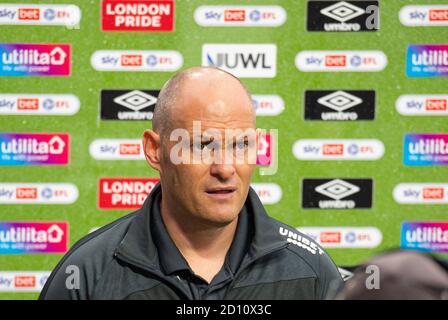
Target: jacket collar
(137,246)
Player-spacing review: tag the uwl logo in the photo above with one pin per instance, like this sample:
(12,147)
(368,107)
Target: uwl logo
(240,59)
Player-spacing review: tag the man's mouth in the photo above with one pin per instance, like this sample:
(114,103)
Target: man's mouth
(221,192)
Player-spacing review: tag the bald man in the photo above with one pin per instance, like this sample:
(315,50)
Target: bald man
(202,233)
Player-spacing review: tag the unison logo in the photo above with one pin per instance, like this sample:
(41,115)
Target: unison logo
(427,61)
(423,149)
(34,149)
(242,60)
(18,59)
(425,236)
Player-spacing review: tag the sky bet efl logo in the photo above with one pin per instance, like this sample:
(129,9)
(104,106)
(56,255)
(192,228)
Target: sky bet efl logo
(341,61)
(23,281)
(137,15)
(424,15)
(422,105)
(240,16)
(136,60)
(34,149)
(427,61)
(421,193)
(425,236)
(40,14)
(425,149)
(18,59)
(38,193)
(33,237)
(38,104)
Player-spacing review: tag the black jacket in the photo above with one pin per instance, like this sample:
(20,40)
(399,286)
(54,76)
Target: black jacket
(120,261)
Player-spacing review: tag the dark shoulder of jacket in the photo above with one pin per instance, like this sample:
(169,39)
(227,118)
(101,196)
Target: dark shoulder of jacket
(87,258)
(310,252)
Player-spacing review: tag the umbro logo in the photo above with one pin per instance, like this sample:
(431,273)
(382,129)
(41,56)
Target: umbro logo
(342,11)
(128,104)
(136,100)
(339,105)
(343,16)
(337,189)
(336,193)
(339,101)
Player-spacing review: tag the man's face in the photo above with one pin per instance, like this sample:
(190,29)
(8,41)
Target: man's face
(215,189)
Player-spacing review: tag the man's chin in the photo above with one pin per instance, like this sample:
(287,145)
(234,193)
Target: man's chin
(220,218)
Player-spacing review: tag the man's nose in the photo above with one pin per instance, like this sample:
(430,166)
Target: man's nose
(222,171)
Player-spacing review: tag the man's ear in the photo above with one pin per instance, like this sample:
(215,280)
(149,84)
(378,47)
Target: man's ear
(152,149)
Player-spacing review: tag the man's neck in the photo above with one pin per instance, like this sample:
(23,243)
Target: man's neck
(202,244)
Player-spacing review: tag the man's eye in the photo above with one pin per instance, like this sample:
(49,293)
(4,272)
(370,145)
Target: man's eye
(240,145)
(201,145)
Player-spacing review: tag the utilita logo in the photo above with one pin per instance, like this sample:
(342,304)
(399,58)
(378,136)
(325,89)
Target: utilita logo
(427,61)
(338,149)
(141,15)
(421,193)
(425,236)
(344,237)
(38,193)
(242,60)
(128,104)
(136,60)
(116,149)
(346,105)
(34,148)
(422,105)
(343,16)
(38,104)
(33,237)
(18,59)
(425,149)
(341,61)
(424,15)
(39,14)
(23,281)
(240,16)
(336,193)
(124,193)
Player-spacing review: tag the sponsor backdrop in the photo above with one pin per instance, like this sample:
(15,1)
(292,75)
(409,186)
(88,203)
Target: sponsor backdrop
(356,90)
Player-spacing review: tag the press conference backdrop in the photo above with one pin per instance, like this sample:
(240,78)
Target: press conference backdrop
(357,92)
